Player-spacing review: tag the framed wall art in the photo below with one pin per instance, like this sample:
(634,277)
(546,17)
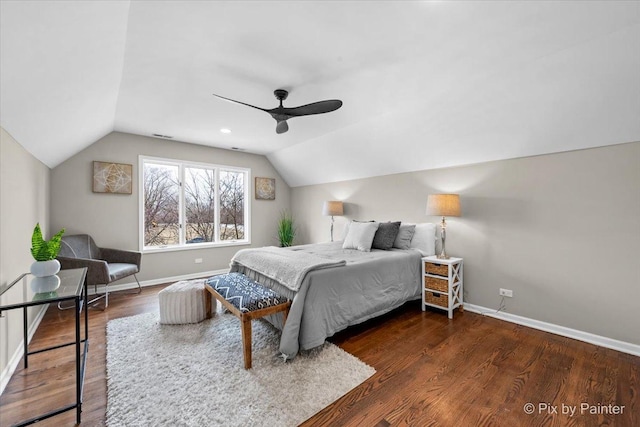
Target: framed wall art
(265,188)
(112,178)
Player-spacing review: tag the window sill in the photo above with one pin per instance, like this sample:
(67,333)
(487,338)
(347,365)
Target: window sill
(192,246)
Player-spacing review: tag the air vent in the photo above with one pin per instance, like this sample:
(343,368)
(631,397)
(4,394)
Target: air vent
(157,135)
(237,148)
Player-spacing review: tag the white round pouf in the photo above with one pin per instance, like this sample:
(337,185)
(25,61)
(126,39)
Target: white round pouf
(183,302)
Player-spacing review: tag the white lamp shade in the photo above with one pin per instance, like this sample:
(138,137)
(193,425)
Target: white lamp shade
(443,205)
(332,208)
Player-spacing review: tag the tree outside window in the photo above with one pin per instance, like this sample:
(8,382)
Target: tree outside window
(186,204)
(161,205)
(200,201)
(232,204)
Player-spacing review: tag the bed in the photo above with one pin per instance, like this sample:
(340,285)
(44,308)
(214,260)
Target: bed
(357,287)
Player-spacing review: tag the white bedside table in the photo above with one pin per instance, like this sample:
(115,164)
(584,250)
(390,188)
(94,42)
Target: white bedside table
(442,283)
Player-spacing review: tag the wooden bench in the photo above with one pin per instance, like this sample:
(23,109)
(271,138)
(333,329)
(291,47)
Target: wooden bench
(247,300)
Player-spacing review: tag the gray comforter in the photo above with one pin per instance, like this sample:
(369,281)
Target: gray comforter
(285,266)
(331,299)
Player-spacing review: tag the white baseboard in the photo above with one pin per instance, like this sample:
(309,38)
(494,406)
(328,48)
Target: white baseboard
(8,371)
(153,282)
(12,365)
(625,347)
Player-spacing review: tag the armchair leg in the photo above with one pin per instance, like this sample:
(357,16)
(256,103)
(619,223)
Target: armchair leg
(138,282)
(91,301)
(105,296)
(62,307)
(135,291)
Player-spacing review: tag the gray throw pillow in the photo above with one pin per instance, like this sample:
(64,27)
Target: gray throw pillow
(405,234)
(386,235)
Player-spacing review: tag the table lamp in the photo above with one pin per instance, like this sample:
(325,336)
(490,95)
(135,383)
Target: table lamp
(332,208)
(443,205)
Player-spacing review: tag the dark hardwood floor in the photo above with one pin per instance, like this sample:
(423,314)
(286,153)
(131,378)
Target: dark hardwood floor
(471,371)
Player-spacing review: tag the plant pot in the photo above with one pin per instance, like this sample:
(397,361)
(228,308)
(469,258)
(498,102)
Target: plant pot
(46,284)
(45,268)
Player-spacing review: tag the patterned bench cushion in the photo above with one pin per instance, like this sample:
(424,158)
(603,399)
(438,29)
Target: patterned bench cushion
(245,294)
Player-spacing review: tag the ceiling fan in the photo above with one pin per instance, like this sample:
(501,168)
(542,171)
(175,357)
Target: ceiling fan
(282,114)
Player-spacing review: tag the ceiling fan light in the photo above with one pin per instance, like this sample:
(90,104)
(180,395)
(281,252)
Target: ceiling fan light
(282,127)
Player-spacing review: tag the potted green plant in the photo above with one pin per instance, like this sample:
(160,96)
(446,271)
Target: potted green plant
(286,229)
(45,253)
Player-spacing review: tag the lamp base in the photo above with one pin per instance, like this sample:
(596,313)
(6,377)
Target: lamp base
(443,238)
(332,227)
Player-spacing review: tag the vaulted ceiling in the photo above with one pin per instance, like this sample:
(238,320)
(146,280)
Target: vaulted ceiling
(424,84)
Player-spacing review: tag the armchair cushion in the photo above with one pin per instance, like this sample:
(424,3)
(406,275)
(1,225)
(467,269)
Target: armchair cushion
(120,256)
(119,270)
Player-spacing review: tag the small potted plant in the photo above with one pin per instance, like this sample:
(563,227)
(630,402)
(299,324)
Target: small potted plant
(286,230)
(45,253)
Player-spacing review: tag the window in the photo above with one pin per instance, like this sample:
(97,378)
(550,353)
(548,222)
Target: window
(186,205)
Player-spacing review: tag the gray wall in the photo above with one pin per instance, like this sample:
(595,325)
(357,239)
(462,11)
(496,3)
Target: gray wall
(562,231)
(112,219)
(24,201)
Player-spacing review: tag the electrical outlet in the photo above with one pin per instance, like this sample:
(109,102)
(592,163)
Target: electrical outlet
(198,260)
(506,293)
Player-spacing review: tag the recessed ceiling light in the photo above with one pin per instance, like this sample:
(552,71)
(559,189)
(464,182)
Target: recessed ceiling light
(225,130)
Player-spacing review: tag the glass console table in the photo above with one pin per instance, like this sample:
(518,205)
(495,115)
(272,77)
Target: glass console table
(67,285)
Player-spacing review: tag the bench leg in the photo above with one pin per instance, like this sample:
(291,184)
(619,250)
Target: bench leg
(208,306)
(246,342)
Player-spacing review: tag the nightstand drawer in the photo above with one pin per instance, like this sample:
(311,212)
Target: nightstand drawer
(440,270)
(441,285)
(435,298)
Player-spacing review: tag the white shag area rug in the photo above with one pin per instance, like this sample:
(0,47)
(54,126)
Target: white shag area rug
(193,375)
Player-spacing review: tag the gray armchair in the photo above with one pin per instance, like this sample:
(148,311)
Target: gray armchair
(104,265)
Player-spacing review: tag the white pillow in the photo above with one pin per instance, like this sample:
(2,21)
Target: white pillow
(424,239)
(345,230)
(360,236)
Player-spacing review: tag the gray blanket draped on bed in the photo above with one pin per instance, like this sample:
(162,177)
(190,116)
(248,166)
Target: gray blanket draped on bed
(286,266)
(361,286)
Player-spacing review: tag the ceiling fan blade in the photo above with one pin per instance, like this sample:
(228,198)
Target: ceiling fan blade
(282,114)
(309,109)
(282,126)
(238,102)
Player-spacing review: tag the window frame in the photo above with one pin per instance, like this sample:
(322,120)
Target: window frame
(182,245)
